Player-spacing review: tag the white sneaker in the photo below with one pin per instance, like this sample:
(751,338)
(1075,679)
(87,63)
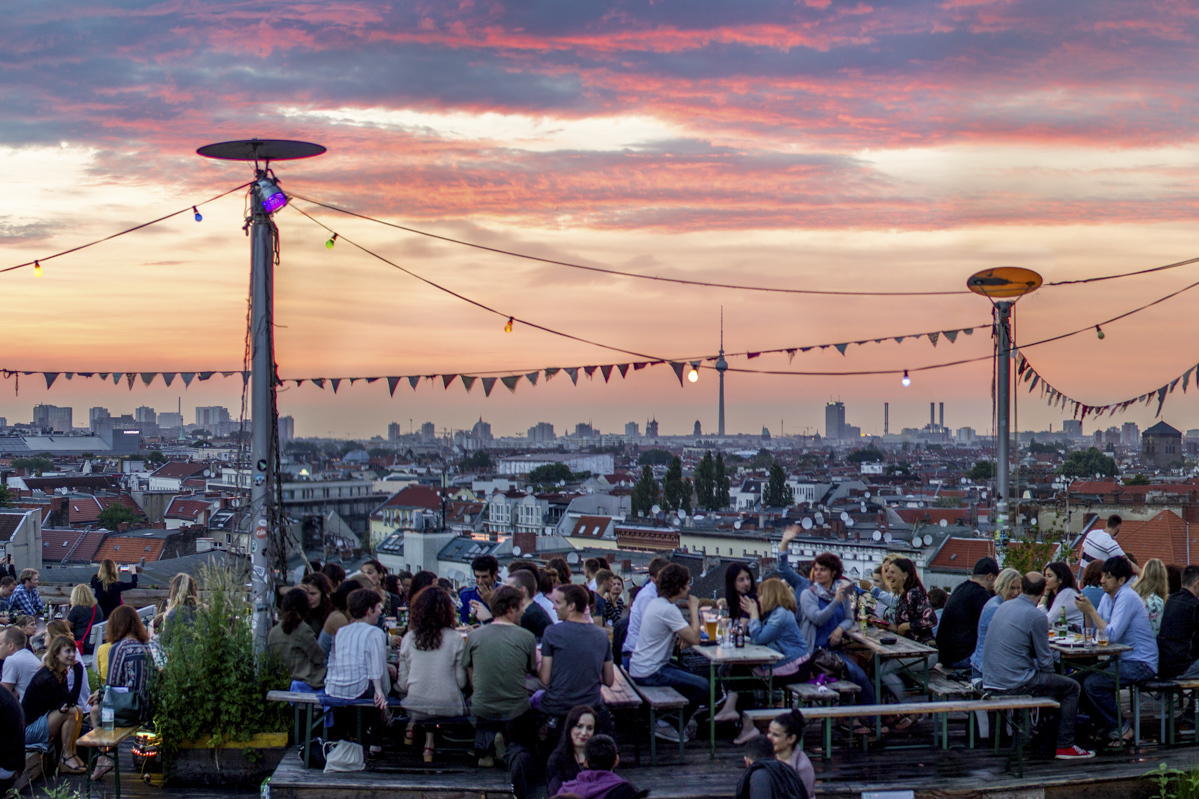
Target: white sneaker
(669,734)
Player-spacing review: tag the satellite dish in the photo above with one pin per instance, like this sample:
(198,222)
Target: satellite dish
(944,522)
(561,482)
(806,523)
(928,540)
(528,489)
(844,516)
(736,525)
(675,521)
(849,522)
(917,542)
(516,550)
(236,502)
(208,473)
(867,495)
(819,518)
(862,507)
(572,558)
(682,513)
(876,535)
(919,504)
(656,509)
(887,537)
(659,515)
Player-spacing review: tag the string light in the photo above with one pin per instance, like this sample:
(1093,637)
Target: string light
(693,373)
(1099,332)
(37,269)
(508,327)
(333,240)
(907,381)
(197,213)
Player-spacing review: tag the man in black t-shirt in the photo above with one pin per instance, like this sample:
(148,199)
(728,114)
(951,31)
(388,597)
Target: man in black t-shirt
(1178,640)
(958,632)
(532,617)
(12,740)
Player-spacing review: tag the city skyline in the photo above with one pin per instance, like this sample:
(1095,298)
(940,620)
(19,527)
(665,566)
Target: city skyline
(790,146)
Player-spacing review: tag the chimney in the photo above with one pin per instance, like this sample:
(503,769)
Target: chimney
(942,411)
(886,418)
(932,415)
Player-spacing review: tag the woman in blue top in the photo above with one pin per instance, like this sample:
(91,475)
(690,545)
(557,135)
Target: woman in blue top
(1007,586)
(826,614)
(772,623)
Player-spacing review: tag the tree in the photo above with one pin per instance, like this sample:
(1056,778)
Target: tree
(1027,556)
(1137,480)
(6,498)
(672,486)
(901,469)
(550,473)
(705,483)
(688,488)
(156,457)
(866,455)
(202,433)
(645,492)
(34,463)
(722,485)
(762,460)
(1088,463)
(778,493)
(1037,448)
(115,515)
(477,461)
(983,470)
(654,457)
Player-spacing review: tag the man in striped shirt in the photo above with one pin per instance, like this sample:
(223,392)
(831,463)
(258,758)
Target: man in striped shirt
(1101,544)
(358,668)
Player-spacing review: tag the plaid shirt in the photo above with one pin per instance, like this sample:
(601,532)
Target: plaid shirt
(359,656)
(27,602)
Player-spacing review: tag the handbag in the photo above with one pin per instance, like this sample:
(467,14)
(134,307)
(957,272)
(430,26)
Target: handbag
(79,644)
(316,753)
(826,663)
(344,756)
(129,708)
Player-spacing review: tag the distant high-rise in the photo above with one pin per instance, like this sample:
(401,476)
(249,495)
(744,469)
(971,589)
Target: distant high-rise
(287,430)
(211,415)
(145,415)
(393,431)
(834,420)
(632,430)
(54,417)
(941,411)
(169,419)
(542,431)
(481,431)
(1072,428)
(651,428)
(585,430)
(1130,434)
(699,430)
(428,432)
(96,416)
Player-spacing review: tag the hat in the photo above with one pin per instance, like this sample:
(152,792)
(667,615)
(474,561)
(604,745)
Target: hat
(985,566)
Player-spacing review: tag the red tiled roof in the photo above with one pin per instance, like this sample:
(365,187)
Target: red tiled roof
(960,554)
(186,509)
(179,470)
(591,526)
(123,549)
(83,510)
(415,496)
(934,515)
(57,545)
(1164,536)
(86,550)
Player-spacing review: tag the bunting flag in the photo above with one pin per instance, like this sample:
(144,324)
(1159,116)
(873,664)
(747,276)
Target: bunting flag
(468,382)
(678,371)
(392,382)
(510,382)
(413,380)
(488,384)
(1079,410)
(446,380)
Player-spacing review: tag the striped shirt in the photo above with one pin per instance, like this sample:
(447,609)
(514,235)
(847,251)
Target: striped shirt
(1099,545)
(359,656)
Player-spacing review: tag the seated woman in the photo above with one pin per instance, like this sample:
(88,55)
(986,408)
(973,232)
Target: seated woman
(318,589)
(914,619)
(1007,586)
(129,666)
(774,626)
(55,700)
(293,641)
(566,761)
(1060,593)
(738,584)
(1151,588)
(826,614)
(430,672)
(85,613)
(338,617)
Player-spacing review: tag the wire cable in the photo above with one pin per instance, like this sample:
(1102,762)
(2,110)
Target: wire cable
(1149,271)
(634,275)
(124,232)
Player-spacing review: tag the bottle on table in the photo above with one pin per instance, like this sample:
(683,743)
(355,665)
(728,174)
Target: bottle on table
(1063,627)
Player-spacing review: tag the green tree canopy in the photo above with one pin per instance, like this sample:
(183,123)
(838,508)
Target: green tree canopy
(654,457)
(777,493)
(476,461)
(34,463)
(1088,463)
(115,515)
(982,470)
(6,498)
(866,455)
(762,460)
(645,492)
(156,457)
(1136,480)
(550,473)
(705,482)
(721,483)
(672,486)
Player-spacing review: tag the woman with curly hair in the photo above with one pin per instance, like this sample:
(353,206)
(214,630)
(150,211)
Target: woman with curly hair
(914,619)
(319,590)
(1151,588)
(430,652)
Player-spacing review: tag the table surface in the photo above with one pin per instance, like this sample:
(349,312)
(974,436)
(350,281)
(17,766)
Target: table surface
(750,653)
(903,647)
(1089,650)
(620,693)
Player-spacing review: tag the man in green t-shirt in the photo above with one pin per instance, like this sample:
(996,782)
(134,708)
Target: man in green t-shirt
(498,656)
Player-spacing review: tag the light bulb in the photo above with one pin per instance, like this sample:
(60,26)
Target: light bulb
(1099,332)
(37,269)
(907,381)
(333,240)
(693,374)
(508,327)
(197,213)
(270,194)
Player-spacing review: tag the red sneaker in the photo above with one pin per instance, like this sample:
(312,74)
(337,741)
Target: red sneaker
(1074,753)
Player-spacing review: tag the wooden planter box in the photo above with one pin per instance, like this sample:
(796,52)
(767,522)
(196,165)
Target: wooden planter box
(197,763)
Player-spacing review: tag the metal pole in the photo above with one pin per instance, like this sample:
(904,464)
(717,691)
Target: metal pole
(262,442)
(1003,362)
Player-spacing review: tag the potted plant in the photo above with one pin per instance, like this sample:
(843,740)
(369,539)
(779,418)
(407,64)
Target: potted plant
(210,707)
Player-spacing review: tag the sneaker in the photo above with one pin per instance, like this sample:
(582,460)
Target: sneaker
(691,728)
(1074,752)
(669,734)
(487,762)
(501,747)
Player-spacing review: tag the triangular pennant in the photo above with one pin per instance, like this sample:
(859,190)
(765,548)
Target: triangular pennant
(639,366)
(116,378)
(510,382)
(392,382)
(573,371)
(335,382)
(148,377)
(606,371)
(589,370)
(1161,399)
(549,373)
(206,375)
(50,378)
(532,377)
(413,380)
(1175,383)
(226,374)
(446,380)
(488,384)
(678,371)
(168,378)
(319,382)
(752,355)
(898,340)
(791,355)
(299,382)
(841,348)
(370,380)
(1036,378)
(933,338)
(952,335)
(68,375)
(104,375)
(245,378)
(969,331)
(623,369)
(354,380)
(468,382)
(86,374)
(129,378)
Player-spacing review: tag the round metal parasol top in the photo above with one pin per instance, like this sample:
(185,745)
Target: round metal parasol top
(1005,282)
(261,150)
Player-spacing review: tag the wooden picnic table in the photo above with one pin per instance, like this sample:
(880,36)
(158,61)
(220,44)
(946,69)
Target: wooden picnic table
(1088,657)
(902,648)
(748,655)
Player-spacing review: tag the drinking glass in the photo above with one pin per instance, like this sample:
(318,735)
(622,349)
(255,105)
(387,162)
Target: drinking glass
(1101,637)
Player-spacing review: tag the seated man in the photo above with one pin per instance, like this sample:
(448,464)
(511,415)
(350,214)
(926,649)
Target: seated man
(497,658)
(957,627)
(1126,620)
(598,780)
(485,568)
(532,616)
(647,594)
(25,598)
(767,777)
(7,586)
(662,624)
(1016,660)
(576,659)
(1178,638)
(358,664)
(20,664)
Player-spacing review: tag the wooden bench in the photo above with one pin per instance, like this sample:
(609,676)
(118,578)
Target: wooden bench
(665,700)
(803,694)
(942,688)
(1023,704)
(315,710)
(107,739)
(1168,690)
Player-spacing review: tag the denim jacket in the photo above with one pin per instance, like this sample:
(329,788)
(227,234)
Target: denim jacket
(780,632)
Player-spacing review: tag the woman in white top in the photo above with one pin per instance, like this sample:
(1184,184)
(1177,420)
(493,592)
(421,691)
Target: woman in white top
(1060,593)
(1151,588)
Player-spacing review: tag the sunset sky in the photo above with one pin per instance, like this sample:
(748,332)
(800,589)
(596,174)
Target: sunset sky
(817,145)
